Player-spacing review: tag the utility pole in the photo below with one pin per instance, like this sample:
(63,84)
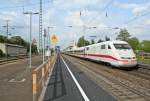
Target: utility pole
(45,34)
(7,31)
(7,34)
(40,28)
(84,29)
(83,26)
(48,39)
(30,13)
(49,36)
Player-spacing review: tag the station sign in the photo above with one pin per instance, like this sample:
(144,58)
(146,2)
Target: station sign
(53,39)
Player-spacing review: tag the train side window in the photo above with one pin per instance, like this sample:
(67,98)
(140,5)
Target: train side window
(102,46)
(109,47)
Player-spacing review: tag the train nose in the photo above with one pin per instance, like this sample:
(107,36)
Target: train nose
(128,63)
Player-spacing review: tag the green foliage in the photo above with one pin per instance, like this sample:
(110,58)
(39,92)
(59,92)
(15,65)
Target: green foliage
(34,49)
(123,35)
(107,38)
(134,42)
(18,40)
(1,53)
(2,39)
(52,51)
(82,42)
(145,46)
(92,41)
(99,41)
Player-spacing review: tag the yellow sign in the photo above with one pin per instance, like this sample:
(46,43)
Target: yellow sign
(53,39)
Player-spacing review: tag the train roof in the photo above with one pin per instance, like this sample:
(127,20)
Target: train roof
(107,42)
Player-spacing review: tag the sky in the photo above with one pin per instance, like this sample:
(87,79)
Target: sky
(105,15)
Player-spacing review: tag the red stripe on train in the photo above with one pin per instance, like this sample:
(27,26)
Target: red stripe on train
(104,56)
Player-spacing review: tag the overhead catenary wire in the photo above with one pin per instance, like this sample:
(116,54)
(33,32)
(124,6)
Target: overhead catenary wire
(102,10)
(135,18)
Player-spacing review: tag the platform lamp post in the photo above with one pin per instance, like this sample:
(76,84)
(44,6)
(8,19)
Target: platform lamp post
(49,36)
(44,35)
(7,34)
(30,13)
(6,41)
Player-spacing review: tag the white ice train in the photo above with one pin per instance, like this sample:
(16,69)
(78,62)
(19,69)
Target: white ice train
(116,53)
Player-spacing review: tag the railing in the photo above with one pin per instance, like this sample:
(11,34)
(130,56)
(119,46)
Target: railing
(39,78)
(143,58)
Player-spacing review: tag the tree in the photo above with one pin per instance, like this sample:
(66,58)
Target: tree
(99,41)
(145,45)
(123,35)
(2,39)
(134,42)
(107,38)
(1,53)
(92,41)
(52,51)
(18,40)
(82,42)
(34,49)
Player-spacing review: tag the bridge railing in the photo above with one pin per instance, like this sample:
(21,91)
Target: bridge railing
(40,76)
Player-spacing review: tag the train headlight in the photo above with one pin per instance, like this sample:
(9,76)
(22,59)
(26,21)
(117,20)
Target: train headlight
(122,58)
(134,58)
(126,57)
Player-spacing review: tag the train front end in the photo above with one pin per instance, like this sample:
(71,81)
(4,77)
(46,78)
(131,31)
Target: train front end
(126,56)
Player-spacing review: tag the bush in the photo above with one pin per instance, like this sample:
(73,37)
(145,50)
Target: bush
(1,53)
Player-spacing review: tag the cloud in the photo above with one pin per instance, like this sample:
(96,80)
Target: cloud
(80,4)
(147,21)
(73,18)
(50,14)
(87,18)
(139,9)
(135,8)
(19,1)
(8,15)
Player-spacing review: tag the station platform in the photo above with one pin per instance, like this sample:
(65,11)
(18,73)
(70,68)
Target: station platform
(68,83)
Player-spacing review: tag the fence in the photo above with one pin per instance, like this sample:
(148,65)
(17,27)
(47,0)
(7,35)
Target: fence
(143,57)
(39,78)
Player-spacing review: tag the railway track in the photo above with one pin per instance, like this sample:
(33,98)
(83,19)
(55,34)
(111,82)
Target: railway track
(122,85)
(141,72)
(10,60)
(144,66)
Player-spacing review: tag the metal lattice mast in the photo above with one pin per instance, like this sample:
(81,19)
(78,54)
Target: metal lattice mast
(40,27)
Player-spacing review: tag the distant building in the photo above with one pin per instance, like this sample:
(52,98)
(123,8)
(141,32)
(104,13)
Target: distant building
(72,45)
(13,49)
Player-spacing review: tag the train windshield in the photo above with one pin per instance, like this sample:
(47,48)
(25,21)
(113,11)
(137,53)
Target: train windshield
(122,46)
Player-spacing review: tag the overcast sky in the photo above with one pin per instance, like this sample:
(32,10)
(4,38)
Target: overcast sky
(102,14)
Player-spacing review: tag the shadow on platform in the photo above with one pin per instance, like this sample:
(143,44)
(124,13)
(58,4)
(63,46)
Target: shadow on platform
(56,87)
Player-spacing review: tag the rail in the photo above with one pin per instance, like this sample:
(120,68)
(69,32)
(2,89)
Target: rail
(40,76)
(11,59)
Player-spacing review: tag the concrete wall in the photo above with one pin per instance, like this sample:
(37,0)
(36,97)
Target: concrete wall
(13,50)
(3,48)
